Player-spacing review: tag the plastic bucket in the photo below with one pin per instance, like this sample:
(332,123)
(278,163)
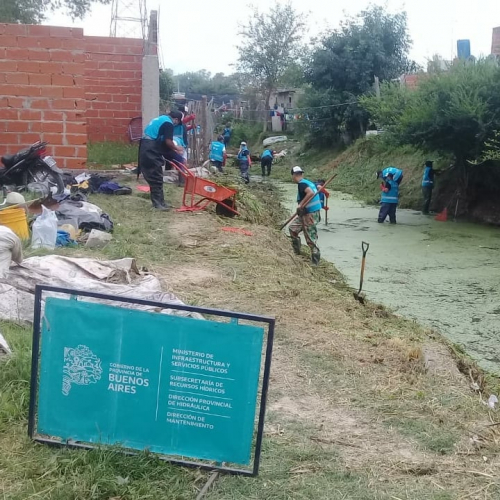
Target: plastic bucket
(15,219)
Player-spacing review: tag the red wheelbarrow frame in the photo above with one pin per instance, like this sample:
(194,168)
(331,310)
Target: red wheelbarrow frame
(208,191)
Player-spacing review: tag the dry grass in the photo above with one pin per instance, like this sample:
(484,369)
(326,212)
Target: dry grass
(355,413)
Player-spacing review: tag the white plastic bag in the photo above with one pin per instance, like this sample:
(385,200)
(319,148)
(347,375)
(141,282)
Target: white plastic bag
(45,230)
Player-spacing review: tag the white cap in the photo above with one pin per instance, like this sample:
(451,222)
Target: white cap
(243,144)
(297,170)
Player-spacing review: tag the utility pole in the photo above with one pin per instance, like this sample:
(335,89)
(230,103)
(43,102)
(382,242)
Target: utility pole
(129,19)
(151,72)
(377,87)
(204,127)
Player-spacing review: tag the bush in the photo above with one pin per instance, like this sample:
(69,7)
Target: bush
(248,132)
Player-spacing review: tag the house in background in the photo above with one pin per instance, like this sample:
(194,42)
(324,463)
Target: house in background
(285,98)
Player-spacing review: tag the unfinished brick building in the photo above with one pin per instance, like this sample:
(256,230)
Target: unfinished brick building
(63,87)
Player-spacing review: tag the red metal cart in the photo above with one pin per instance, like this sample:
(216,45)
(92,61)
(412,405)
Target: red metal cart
(199,193)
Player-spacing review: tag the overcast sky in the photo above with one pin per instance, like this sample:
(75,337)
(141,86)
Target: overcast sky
(202,34)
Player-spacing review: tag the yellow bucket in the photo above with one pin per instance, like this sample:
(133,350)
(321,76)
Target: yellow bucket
(15,219)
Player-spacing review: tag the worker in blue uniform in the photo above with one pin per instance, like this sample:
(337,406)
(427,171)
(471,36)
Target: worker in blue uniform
(244,162)
(427,185)
(266,161)
(389,200)
(396,173)
(157,144)
(218,153)
(228,132)
(308,215)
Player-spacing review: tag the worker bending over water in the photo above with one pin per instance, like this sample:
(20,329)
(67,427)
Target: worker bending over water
(396,173)
(266,161)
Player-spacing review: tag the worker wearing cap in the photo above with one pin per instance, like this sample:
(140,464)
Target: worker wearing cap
(397,174)
(427,185)
(308,215)
(244,162)
(157,144)
(218,153)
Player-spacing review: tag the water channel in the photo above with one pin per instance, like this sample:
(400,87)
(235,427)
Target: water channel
(445,275)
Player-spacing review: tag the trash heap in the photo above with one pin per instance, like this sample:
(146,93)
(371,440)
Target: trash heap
(116,277)
(61,220)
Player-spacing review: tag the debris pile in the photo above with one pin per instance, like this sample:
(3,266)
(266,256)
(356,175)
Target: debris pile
(117,277)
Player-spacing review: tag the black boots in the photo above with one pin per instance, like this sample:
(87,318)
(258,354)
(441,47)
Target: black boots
(296,245)
(315,257)
(158,198)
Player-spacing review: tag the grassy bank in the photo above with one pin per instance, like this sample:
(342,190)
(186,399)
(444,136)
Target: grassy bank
(358,165)
(103,155)
(362,404)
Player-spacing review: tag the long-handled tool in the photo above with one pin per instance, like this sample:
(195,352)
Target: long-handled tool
(357,295)
(326,210)
(306,200)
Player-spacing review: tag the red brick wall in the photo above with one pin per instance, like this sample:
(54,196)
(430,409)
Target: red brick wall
(58,86)
(495,42)
(113,86)
(42,92)
(412,81)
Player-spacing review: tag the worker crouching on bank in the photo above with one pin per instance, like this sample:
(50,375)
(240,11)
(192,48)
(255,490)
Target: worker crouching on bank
(308,215)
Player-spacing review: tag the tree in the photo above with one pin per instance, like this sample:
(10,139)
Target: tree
(346,61)
(491,150)
(454,113)
(202,82)
(166,84)
(34,11)
(271,42)
(387,111)
(293,76)
(374,43)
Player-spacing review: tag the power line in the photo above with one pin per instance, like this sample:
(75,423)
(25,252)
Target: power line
(326,106)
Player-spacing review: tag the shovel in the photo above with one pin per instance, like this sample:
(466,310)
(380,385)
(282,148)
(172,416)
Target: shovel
(326,211)
(306,200)
(357,295)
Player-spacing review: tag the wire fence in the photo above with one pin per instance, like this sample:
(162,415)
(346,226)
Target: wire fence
(200,136)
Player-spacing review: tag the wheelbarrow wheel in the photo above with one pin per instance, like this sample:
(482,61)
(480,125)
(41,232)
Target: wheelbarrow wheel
(222,211)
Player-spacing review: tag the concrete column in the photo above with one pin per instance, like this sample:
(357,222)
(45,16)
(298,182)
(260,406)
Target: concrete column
(204,127)
(495,42)
(150,88)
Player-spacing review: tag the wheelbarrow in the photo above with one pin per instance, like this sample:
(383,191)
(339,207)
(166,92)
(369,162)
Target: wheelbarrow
(199,193)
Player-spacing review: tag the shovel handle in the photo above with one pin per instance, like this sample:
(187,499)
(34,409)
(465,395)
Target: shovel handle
(364,247)
(307,199)
(288,222)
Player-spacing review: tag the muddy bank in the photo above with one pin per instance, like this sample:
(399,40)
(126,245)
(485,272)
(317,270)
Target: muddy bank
(443,275)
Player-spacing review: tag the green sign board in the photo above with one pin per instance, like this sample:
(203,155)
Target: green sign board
(145,380)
